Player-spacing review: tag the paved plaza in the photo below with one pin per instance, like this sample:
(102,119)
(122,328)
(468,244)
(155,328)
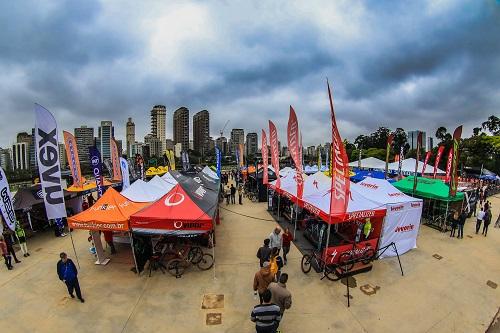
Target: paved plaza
(450,294)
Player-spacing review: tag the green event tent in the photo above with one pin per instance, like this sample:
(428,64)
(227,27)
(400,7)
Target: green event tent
(428,188)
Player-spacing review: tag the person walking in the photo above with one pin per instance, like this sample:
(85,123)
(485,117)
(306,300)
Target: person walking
(233,194)
(287,240)
(266,315)
(275,264)
(487,221)
(454,223)
(227,193)
(10,245)
(276,239)
(67,272)
(240,194)
(461,223)
(5,253)
(21,237)
(280,295)
(497,223)
(261,280)
(479,219)
(264,252)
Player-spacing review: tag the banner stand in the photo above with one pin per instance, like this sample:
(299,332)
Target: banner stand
(394,247)
(98,249)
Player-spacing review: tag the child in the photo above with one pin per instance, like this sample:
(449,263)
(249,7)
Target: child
(21,237)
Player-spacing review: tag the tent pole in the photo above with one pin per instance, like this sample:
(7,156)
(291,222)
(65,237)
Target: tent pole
(29,220)
(446,215)
(133,252)
(279,204)
(213,251)
(296,217)
(74,250)
(327,244)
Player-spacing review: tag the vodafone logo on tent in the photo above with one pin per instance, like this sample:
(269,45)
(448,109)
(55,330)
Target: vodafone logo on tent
(174,199)
(178,224)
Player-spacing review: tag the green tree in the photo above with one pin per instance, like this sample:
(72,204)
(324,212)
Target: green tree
(492,125)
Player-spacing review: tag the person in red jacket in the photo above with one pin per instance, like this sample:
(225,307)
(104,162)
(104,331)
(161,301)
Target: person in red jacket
(287,240)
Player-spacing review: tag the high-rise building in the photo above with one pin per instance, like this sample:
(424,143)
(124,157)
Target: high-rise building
(252,144)
(130,136)
(181,127)
(5,159)
(62,155)
(106,133)
(155,146)
(119,145)
(136,148)
(23,137)
(201,132)
(84,137)
(20,156)
(430,143)
(221,142)
(158,122)
(413,137)
(211,144)
(237,138)
(191,145)
(33,160)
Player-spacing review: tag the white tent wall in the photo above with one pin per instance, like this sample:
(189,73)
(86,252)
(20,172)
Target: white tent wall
(401,226)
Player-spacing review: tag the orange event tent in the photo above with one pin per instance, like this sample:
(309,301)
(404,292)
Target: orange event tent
(111,212)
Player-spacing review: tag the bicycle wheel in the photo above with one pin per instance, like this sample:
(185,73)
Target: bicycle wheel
(195,254)
(305,264)
(176,267)
(346,261)
(368,256)
(206,262)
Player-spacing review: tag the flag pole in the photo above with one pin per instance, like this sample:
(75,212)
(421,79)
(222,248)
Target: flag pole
(74,250)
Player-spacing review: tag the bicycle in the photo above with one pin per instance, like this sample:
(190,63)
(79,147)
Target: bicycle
(188,256)
(365,255)
(315,258)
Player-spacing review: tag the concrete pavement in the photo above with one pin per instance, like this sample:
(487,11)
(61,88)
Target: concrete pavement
(447,295)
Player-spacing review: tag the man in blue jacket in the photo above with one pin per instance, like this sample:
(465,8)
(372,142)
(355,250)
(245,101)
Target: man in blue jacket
(67,272)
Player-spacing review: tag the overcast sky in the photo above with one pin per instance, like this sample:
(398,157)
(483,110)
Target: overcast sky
(410,64)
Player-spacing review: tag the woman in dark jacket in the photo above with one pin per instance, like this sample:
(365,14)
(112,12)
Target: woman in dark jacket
(455,220)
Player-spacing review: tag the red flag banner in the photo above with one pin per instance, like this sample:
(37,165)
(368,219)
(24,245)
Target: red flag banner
(419,146)
(449,162)
(387,152)
(438,158)
(293,147)
(275,154)
(73,159)
(427,156)
(265,174)
(340,168)
(115,159)
(454,171)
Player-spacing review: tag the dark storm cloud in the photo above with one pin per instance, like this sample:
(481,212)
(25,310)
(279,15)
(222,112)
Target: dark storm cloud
(408,66)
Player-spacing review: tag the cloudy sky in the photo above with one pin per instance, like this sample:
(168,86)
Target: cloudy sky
(410,64)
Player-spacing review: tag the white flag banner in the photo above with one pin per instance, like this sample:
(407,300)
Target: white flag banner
(125,173)
(6,205)
(47,152)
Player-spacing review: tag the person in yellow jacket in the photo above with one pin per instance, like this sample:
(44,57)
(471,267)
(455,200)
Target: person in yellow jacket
(21,237)
(275,264)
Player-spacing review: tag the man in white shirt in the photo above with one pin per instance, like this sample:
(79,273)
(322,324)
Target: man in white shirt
(276,240)
(480,218)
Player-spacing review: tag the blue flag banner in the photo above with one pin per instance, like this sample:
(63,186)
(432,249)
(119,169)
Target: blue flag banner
(95,163)
(218,157)
(237,153)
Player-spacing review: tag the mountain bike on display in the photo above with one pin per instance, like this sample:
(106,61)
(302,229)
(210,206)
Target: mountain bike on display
(187,256)
(347,259)
(315,258)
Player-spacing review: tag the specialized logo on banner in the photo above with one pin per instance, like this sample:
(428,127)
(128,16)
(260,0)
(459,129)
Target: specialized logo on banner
(293,146)
(115,159)
(427,156)
(96,165)
(340,172)
(275,154)
(47,153)
(6,205)
(125,173)
(454,171)
(419,145)
(218,158)
(438,158)
(73,159)
(449,163)
(265,171)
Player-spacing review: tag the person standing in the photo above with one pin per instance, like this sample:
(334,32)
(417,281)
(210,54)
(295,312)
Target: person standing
(108,237)
(67,272)
(276,239)
(262,279)
(10,246)
(487,221)
(497,223)
(227,194)
(233,194)
(275,264)
(264,252)
(281,296)
(5,253)
(287,241)
(266,315)
(461,223)
(454,223)
(21,237)
(479,219)
(240,194)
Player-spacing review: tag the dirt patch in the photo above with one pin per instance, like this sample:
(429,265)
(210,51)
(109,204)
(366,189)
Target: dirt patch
(38,250)
(470,236)
(214,319)
(369,290)
(491,284)
(437,256)
(212,301)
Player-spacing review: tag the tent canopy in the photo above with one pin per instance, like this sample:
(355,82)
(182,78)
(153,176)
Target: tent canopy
(369,163)
(141,191)
(28,197)
(111,212)
(206,170)
(382,192)
(363,174)
(428,188)
(408,165)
